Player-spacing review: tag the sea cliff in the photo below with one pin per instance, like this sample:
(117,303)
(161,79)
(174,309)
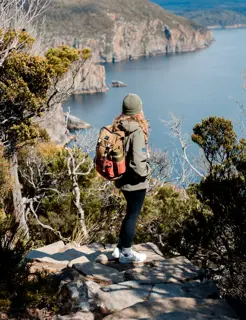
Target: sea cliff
(91,79)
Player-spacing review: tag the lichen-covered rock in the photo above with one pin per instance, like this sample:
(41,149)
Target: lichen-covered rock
(75,293)
(76,296)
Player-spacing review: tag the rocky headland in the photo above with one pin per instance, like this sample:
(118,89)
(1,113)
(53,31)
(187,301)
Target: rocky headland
(116,29)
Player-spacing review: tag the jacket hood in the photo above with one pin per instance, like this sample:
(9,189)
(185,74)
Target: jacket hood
(129,126)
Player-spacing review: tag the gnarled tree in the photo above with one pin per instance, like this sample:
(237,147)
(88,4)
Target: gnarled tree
(28,85)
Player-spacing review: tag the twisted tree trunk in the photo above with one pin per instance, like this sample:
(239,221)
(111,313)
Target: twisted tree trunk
(18,202)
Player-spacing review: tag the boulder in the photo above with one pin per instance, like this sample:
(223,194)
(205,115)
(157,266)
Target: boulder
(102,258)
(69,275)
(77,295)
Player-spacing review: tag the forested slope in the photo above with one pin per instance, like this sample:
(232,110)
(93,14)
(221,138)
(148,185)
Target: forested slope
(209,13)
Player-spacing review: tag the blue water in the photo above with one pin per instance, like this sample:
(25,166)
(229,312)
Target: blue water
(193,85)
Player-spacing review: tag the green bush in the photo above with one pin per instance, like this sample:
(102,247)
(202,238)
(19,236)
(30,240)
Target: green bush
(17,290)
(165,214)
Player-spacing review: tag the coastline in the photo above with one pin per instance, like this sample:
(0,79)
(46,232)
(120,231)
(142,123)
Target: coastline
(233,26)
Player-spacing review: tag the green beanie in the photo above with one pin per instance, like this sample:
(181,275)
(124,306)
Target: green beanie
(132,105)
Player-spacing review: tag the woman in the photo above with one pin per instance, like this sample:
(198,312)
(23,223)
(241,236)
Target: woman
(135,181)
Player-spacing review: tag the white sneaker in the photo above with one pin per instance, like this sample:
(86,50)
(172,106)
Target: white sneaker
(135,257)
(116,253)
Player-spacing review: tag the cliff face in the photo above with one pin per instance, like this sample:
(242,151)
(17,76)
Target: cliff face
(92,79)
(121,29)
(54,122)
(150,38)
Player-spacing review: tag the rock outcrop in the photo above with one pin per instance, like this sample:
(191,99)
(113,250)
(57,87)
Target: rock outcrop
(120,29)
(54,123)
(91,79)
(118,84)
(58,127)
(75,123)
(158,289)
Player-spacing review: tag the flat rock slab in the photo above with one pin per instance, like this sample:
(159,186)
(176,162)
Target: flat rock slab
(46,251)
(178,309)
(119,296)
(52,248)
(100,272)
(151,250)
(82,259)
(76,316)
(173,270)
(61,254)
(199,290)
(58,252)
(166,290)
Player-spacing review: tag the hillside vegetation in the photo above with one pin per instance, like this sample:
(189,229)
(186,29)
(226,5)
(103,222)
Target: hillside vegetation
(192,5)
(222,18)
(208,13)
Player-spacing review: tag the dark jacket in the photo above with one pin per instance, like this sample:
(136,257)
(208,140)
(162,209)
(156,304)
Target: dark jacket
(138,171)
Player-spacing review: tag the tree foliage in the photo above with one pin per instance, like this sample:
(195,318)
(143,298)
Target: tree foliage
(218,241)
(218,140)
(25,81)
(61,58)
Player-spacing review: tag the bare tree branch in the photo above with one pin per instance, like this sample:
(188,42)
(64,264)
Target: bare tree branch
(45,226)
(19,15)
(174,125)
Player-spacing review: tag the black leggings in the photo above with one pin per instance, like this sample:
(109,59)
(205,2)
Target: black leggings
(135,200)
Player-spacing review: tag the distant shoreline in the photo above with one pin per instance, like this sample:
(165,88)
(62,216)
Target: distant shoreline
(234,26)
